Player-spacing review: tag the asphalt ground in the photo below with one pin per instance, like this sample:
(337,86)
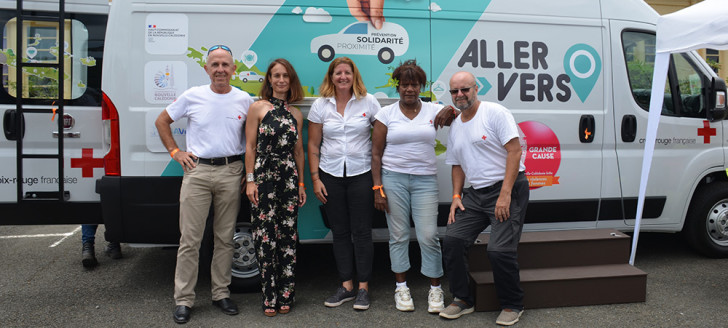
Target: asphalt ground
(43,284)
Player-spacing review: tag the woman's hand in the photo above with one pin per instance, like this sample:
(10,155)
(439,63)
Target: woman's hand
(380,202)
(251,190)
(301,196)
(320,191)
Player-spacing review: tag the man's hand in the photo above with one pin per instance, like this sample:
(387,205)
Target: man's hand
(187,160)
(456,203)
(502,207)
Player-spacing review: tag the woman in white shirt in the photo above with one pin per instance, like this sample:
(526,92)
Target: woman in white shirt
(404,173)
(339,154)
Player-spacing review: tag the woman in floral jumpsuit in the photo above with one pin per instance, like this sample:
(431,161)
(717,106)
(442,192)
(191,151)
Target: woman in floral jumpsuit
(274,182)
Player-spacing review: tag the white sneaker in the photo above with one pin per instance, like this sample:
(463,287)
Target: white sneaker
(403,299)
(435,300)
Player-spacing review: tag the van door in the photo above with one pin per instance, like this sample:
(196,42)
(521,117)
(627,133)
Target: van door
(687,144)
(38,139)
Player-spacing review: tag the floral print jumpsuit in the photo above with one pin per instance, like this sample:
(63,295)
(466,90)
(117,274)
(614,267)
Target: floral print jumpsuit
(274,219)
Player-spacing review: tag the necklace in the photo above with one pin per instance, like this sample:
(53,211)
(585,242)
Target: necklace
(415,110)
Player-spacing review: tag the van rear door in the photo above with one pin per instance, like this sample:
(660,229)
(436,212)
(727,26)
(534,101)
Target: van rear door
(82,160)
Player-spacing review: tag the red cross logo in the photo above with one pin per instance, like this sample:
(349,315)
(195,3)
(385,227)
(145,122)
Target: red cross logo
(706,131)
(87,162)
(483,137)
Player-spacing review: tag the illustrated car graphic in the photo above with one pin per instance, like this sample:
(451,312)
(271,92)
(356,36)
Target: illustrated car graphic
(250,75)
(361,38)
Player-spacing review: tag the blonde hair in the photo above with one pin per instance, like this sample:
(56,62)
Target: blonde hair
(328,89)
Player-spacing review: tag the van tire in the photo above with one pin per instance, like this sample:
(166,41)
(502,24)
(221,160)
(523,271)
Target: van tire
(385,55)
(706,227)
(245,272)
(326,53)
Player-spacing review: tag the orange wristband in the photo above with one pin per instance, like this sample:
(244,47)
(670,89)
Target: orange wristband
(300,184)
(381,190)
(456,196)
(174,151)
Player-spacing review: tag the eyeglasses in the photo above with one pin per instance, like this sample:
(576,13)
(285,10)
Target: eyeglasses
(219,46)
(463,90)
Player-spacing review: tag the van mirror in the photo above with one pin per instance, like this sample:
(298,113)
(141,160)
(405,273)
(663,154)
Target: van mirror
(716,100)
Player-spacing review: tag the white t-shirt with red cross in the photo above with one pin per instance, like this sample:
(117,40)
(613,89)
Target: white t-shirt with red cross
(477,145)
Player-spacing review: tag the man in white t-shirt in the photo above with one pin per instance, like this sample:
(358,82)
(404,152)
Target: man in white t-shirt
(213,169)
(484,148)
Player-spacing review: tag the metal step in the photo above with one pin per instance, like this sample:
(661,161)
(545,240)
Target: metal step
(567,286)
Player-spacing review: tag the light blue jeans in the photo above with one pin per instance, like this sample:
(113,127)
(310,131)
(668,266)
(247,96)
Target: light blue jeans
(415,195)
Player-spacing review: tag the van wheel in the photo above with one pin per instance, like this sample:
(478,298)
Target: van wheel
(260,79)
(706,228)
(326,53)
(245,273)
(245,80)
(385,55)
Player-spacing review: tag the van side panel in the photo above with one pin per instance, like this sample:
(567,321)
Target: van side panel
(533,70)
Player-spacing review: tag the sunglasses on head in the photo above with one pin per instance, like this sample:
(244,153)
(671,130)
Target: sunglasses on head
(219,46)
(463,90)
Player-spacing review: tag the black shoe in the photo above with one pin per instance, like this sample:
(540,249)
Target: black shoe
(113,250)
(182,314)
(88,256)
(227,306)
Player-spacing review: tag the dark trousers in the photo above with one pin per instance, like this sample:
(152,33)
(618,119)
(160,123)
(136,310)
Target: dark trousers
(502,249)
(506,273)
(349,209)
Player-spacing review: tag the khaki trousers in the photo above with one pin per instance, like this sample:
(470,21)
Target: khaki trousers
(202,186)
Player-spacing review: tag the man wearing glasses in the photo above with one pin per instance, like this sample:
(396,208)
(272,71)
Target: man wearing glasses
(213,169)
(484,147)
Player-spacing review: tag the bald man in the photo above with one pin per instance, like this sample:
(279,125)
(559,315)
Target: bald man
(213,169)
(484,148)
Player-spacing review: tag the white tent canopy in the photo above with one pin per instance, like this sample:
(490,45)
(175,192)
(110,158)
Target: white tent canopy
(703,25)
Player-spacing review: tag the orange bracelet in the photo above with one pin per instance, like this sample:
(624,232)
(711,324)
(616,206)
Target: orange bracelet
(174,151)
(381,190)
(300,184)
(456,196)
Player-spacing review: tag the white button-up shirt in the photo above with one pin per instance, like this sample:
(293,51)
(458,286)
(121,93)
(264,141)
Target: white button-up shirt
(346,140)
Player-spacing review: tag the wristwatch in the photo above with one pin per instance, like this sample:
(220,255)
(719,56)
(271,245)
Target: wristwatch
(249,177)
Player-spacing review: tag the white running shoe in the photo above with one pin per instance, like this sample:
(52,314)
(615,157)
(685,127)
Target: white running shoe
(403,300)
(435,300)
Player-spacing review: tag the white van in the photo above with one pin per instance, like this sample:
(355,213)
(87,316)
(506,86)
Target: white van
(57,156)
(575,74)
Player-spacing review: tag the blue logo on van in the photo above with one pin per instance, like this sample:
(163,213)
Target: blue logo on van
(583,65)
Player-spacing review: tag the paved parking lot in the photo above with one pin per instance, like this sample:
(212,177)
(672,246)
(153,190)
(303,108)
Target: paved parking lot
(43,284)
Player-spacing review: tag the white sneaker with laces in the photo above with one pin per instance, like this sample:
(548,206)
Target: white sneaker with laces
(435,300)
(403,300)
